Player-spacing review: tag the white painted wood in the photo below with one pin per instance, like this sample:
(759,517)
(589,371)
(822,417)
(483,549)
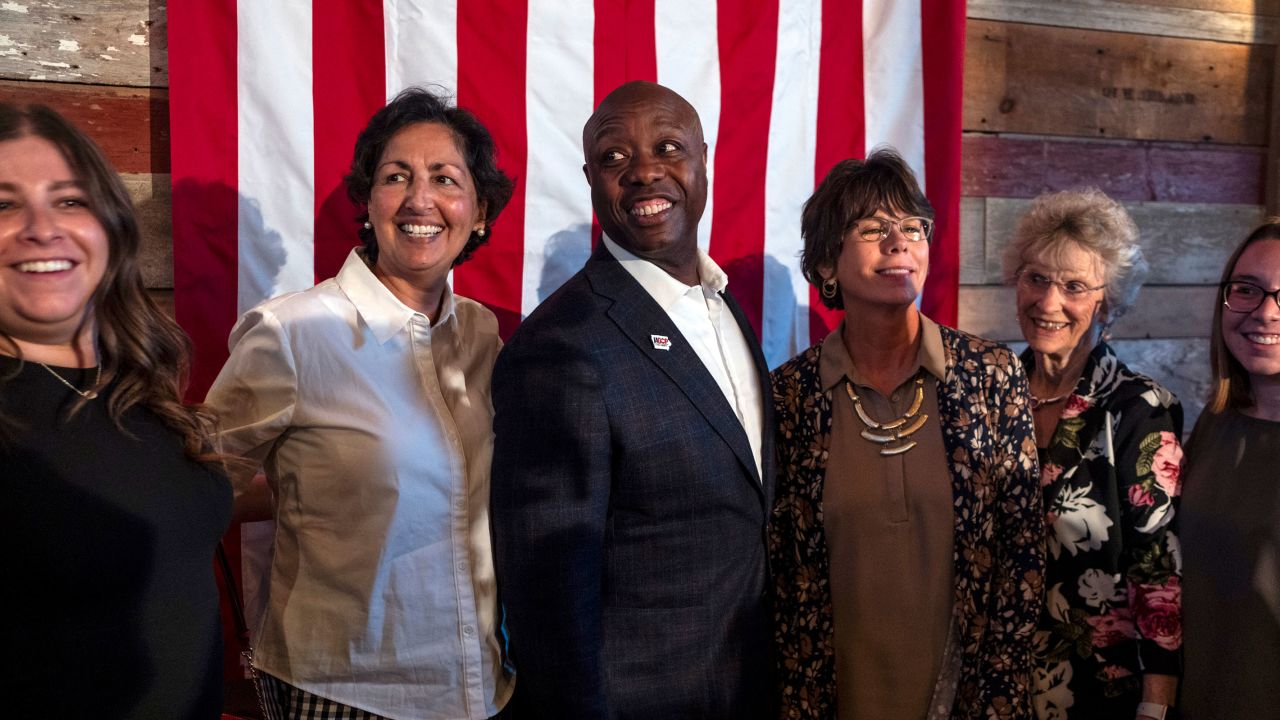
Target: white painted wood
(104,42)
(1133,18)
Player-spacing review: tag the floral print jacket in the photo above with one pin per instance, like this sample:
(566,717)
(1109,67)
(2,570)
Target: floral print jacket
(999,531)
(1111,478)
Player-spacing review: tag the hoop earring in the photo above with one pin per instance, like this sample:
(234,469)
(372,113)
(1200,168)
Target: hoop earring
(830,288)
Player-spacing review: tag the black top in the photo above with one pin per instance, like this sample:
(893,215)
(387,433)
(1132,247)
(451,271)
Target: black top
(113,610)
(1231,554)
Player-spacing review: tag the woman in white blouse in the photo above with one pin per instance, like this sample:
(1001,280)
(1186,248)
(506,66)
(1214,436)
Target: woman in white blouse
(366,400)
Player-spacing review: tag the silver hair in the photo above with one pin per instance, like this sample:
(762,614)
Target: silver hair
(1095,223)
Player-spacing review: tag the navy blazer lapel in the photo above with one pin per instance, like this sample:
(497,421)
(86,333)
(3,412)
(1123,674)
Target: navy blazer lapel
(640,317)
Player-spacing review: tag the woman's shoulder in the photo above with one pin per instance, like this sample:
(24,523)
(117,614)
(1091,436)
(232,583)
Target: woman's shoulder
(799,368)
(475,317)
(1131,388)
(974,355)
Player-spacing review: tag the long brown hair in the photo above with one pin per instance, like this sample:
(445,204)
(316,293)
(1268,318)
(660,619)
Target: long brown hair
(1230,386)
(140,348)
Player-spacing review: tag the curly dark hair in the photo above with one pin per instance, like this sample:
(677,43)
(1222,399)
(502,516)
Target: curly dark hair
(853,190)
(422,105)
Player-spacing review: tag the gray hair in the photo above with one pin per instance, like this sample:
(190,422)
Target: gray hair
(1094,222)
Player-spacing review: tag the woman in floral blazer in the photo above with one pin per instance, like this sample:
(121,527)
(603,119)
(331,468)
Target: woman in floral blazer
(1110,640)
(866,230)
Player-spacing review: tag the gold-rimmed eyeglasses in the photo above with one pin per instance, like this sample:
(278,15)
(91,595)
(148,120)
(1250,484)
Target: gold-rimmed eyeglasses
(1243,297)
(1040,283)
(875,229)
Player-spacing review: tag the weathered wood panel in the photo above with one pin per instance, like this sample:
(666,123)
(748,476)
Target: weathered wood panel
(1254,7)
(973,268)
(1063,81)
(1160,312)
(1184,243)
(105,42)
(1000,166)
(1224,21)
(153,198)
(1273,154)
(1181,365)
(131,124)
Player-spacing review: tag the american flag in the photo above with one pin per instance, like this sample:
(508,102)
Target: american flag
(266,99)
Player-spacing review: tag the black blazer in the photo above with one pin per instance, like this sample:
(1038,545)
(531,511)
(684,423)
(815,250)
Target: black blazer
(628,515)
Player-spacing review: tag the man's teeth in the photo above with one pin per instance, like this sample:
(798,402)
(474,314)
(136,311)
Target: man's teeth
(44,266)
(1049,325)
(650,208)
(1261,339)
(421,230)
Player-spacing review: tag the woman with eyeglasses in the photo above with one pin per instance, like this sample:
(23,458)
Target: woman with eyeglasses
(906,543)
(1110,638)
(1231,513)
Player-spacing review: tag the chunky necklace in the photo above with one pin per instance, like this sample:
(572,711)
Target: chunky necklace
(892,435)
(86,394)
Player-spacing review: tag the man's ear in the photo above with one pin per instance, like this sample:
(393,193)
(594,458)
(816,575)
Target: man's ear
(586,173)
(704,153)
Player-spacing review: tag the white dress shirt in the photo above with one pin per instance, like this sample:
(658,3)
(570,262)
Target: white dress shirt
(374,428)
(699,313)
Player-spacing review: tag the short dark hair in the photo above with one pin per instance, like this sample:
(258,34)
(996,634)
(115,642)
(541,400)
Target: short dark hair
(421,105)
(853,190)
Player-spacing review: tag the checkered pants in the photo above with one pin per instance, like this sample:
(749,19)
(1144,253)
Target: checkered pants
(283,701)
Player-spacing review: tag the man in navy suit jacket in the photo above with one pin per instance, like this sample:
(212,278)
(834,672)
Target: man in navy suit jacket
(632,469)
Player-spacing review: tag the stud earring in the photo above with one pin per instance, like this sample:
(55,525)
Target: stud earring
(368,225)
(480,232)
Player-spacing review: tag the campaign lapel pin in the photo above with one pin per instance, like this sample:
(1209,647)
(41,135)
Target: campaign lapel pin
(660,342)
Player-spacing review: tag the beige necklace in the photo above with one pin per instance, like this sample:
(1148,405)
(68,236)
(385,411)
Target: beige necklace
(892,435)
(86,394)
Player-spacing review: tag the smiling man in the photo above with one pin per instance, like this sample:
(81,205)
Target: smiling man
(632,472)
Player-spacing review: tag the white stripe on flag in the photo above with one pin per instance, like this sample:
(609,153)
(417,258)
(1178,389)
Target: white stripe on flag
(793,143)
(421,43)
(559,92)
(275,155)
(688,54)
(893,78)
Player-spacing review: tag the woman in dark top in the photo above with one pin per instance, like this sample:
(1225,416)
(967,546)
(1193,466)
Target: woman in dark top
(1231,510)
(113,501)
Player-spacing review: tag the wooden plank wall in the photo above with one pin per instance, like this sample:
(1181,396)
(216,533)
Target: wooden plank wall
(1167,105)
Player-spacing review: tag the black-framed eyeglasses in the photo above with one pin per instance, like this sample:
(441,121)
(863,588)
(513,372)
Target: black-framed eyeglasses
(1242,297)
(874,229)
(1040,283)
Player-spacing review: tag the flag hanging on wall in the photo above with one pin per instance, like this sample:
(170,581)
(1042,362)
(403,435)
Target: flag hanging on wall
(266,100)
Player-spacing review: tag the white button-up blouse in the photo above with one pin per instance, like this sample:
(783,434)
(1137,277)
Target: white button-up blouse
(374,428)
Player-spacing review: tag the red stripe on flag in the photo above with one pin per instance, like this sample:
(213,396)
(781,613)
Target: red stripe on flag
(842,123)
(348,85)
(202,120)
(202,123)
(748,39)
(491,83)
(943,40)
(628,26)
